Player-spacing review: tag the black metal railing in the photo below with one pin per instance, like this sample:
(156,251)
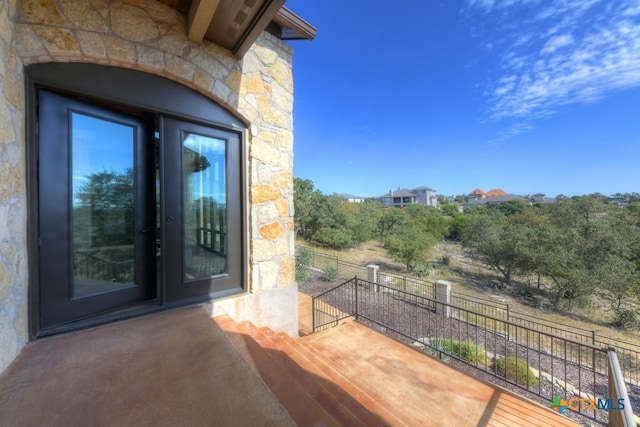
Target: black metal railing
(91,266)
(406,283)
(211,231)
(566,369)
(334,305)
(345,269)
(628,353)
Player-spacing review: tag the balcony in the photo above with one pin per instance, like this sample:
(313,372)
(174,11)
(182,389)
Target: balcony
(184,367)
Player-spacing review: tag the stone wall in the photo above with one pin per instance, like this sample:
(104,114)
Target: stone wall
(148,36)
(13,234)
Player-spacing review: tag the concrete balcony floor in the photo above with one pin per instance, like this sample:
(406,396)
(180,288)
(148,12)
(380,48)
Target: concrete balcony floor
(183,368)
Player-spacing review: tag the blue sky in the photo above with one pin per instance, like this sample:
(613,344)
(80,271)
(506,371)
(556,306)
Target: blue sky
(525,95)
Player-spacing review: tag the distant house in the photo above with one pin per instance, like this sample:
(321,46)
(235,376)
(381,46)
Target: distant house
(495,192)
(402,197)
(539,197)
(426,196)
(351,198)
(495,199)
(475,195)
(479,198)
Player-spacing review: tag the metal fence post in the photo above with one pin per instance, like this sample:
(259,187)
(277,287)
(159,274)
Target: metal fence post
(355,281)
(593,341)
(618,417)
(508,321)
(313,314)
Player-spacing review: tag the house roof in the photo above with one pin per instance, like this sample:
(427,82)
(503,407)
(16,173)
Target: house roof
(350,196)
(477,192)
(497,199)
(236,24)
(495,192)
(424,188)
(402,192)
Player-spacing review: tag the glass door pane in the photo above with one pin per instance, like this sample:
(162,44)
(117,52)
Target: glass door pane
(205,206)
(202,212)
(103,200)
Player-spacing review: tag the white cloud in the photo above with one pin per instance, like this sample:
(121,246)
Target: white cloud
(572,51)
(557,42)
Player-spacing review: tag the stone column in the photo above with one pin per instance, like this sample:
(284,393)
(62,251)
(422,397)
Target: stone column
(372,275)
(443,295)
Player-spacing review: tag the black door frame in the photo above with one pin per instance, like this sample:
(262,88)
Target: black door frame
(128,88)
(178,287)
(58,304)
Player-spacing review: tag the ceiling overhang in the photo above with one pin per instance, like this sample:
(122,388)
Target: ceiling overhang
(236,24)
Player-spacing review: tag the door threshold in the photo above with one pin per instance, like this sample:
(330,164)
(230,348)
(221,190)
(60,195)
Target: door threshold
(137,310)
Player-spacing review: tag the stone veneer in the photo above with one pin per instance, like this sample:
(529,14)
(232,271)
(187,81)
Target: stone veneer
(146,35)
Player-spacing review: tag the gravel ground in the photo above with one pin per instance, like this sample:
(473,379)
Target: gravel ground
(415,321)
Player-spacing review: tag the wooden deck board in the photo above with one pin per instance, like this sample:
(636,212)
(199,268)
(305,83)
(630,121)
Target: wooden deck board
(423,390)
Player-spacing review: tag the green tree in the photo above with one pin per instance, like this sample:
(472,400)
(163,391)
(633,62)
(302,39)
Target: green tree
(497,242)
(105,205)
(436,224)
(410,244)
(450,209)
(333,237)
(303,204)
(587,245)
(390,220)
(364,223)
(510,207)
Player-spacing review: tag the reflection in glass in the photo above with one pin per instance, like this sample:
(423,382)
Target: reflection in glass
(103,205)
(205,206)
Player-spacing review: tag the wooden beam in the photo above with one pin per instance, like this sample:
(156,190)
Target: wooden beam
(200,16)
(294,27)
(265,16)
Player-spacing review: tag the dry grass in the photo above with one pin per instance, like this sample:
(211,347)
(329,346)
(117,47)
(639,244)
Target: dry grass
(471,277)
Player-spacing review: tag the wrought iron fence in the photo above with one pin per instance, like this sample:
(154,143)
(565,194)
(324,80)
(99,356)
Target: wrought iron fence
(485,306)
(345,269)
(91,266)
(334,305)
(628,353)
(571,370)
(409,284)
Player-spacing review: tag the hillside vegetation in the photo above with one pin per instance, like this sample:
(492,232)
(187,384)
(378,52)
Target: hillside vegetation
(579,253)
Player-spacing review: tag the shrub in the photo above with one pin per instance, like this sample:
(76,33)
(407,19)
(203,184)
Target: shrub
(445,260)
(302,276)
(304,258)
(469,351)
(331,273)
(465,350)
(333,238)
(422,270)
(438,348)
(516,369)
(626,318)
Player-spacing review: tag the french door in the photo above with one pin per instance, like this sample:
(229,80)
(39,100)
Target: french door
(201,212)
(135,208)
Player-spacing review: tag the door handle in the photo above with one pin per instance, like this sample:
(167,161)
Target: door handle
(170,218)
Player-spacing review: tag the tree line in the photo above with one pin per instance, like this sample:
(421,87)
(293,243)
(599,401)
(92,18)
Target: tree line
(583,245)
